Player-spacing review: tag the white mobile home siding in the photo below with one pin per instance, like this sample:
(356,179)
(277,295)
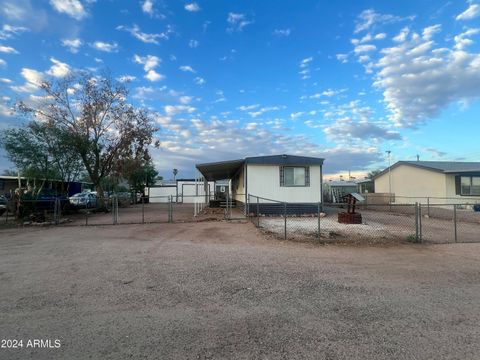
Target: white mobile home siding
(238,187)
(264,181)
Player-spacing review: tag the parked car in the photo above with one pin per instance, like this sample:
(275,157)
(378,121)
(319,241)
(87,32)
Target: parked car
(124,198)
(33,203)
(87,200)
(3,205)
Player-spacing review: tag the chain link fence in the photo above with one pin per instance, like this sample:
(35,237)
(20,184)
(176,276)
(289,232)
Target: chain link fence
(112,210)
(415,222)
(422,223)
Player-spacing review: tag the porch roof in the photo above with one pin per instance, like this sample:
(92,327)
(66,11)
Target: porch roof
(220,170)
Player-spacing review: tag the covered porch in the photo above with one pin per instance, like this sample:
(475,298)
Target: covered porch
(228,185)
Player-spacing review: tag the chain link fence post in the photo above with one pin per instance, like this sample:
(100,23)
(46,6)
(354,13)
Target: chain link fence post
(420,222)
(143,209)
(285,219)
(428,206)
(258,213)
(6,212)
(417,234)
(318,214)
(455,221)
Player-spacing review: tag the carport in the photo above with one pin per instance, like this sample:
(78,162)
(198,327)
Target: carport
(218,171)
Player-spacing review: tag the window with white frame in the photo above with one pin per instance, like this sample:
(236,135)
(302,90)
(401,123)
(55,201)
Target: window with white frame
(470,185)
(294,176)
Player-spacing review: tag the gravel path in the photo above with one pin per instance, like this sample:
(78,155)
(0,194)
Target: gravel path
(219,290)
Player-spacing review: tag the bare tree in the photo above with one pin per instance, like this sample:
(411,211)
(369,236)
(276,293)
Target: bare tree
(104,127)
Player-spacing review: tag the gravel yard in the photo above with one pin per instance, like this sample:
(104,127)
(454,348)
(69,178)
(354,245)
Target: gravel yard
(217,290)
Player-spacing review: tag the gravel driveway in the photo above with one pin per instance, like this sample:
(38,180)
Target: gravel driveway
(219,290)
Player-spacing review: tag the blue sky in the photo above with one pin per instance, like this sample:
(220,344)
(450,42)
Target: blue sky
(345,80)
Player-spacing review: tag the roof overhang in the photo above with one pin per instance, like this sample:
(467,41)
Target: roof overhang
(220,170)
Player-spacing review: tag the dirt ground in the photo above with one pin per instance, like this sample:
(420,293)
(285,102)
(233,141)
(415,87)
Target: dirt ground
(218,290)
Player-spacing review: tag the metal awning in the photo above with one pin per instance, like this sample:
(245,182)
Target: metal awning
(220,170)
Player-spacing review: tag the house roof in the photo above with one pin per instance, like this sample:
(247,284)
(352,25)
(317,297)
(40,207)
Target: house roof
(227,169)
(338,183)
(446,167)
(220,170)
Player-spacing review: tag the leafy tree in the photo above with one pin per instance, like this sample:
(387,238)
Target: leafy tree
(373,173)
(42,152)
(140,173)
(103,127)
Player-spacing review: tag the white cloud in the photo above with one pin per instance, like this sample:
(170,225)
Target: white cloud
(297,115)
(192,7)
(33,80)
(3,63)
(463,40)
(9,31)
(199,80)
(145,37)
(152,75)
(172,110)
(402,35)
(351,129)
(8,50)
(185,99)
(73,8)
(126,78)
(419,80)
(430,31)
(5,81)
(248,107)
(72,44)
(364,48)
(149,62)
(193,43)
(471,13)
(263,110)
(147,7)
(187,68)
(104,46)
(369,19)
(282,32)
(58,69)
(237,22)
(343,58)
(304,63)
(327,93)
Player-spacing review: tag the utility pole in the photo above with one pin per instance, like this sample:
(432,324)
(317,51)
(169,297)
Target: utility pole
(389,178)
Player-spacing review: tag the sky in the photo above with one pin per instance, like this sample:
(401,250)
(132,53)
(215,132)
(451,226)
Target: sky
(343,80)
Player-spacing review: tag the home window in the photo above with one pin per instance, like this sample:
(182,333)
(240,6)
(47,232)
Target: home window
(294,176)
(470,185)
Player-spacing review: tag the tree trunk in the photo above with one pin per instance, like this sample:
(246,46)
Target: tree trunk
(101,204)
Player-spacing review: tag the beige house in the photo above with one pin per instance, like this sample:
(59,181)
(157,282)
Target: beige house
(439,181)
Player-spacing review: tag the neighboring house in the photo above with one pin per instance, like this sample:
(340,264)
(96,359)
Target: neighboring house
(334,191)
(450,180)
(181,190)
(284,178)
(8,184)
(366,186)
